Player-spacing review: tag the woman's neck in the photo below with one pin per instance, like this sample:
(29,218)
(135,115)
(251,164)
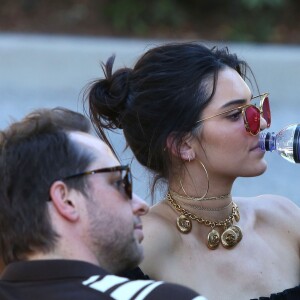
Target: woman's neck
(195,183)
(212,208)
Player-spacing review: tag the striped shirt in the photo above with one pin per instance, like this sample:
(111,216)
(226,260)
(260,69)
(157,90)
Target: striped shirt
(74,280)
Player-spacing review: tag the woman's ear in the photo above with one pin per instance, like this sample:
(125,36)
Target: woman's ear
(62,200)
(184,150)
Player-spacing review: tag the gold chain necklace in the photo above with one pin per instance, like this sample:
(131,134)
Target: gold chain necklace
(231,235)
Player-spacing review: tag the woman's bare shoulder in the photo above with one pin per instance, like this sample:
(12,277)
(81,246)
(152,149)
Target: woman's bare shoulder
(279,202)
(160,222)
(271,208)
(267,200)
(160,238)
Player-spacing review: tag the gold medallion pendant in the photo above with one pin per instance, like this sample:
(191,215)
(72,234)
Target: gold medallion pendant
(184,224)
(229,238)
(238,231)
(213,239)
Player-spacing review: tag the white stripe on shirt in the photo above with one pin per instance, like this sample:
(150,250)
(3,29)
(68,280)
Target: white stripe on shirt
(91,279)
(107,282)
(148,290)
(128,289)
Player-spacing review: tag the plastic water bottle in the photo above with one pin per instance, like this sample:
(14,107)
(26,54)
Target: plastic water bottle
(286,142)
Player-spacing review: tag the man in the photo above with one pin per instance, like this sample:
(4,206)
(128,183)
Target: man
(68,218)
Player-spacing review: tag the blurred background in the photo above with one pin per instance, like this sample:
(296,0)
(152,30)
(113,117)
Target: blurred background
(274,21)
(50,50)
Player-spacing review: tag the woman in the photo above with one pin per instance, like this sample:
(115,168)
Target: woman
(189,116)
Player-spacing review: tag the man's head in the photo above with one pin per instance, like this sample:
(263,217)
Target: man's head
(84,217)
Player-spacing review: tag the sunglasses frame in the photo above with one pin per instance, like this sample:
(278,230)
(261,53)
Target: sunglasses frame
(243,108)
(126,179)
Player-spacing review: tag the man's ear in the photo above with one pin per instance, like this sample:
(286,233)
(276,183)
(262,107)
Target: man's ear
(184,151)
(62,201)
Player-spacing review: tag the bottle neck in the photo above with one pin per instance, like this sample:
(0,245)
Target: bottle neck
(296,145)
(267,141)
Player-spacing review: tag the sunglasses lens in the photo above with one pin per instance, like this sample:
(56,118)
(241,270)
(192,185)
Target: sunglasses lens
(252,115)
(128,184)
(266,111)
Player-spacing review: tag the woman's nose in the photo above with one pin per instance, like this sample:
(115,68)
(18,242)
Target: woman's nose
(263,123)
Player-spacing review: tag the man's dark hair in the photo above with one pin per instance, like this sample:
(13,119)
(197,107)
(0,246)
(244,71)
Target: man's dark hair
(33,153)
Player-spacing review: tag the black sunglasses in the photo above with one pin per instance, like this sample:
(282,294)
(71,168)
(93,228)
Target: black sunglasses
(126,181)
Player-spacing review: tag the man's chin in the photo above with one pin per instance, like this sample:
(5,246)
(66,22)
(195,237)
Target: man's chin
(135,259)
(139,254)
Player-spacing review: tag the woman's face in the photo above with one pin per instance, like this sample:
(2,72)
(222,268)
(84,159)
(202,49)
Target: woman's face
(227,149)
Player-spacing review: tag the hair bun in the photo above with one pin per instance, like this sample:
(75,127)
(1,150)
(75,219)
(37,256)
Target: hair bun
(108,97)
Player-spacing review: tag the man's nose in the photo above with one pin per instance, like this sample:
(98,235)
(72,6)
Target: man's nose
(140,207)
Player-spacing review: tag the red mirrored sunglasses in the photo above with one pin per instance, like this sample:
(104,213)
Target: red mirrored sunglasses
(251,114)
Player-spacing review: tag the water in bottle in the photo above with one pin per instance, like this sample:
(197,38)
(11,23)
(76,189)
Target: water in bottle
(286,142)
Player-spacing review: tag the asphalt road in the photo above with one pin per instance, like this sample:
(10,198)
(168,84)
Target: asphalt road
(48,71)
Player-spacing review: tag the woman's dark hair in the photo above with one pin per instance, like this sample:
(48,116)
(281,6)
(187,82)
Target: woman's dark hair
(33,153)
(164,93)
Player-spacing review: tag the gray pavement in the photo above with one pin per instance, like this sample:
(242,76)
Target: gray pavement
(47,71)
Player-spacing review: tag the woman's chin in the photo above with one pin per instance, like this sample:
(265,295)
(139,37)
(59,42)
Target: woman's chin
(260,169)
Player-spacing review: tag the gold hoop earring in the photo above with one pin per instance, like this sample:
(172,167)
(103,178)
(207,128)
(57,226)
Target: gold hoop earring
(207,189)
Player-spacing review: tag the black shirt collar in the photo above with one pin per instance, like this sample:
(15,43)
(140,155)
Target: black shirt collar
(49,269)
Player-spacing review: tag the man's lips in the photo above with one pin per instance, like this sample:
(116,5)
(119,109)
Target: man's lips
(138,226)
(139,231)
